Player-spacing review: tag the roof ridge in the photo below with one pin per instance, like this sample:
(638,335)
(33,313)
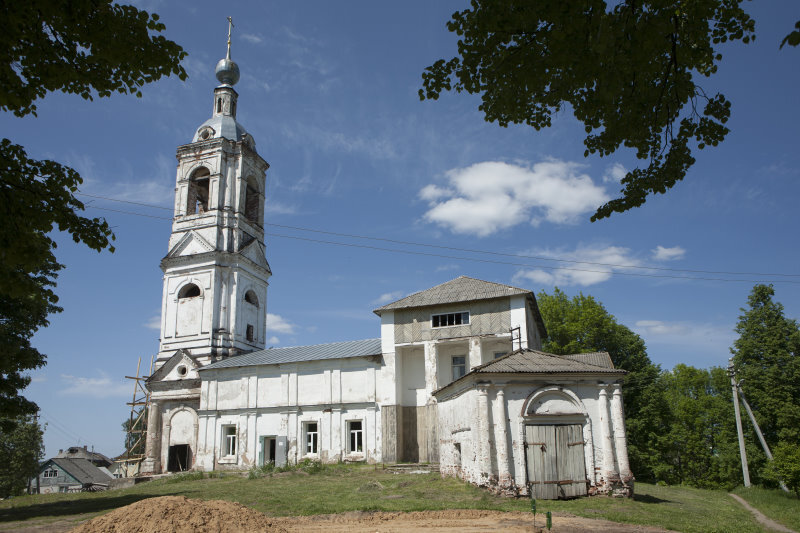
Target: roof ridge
(311,345)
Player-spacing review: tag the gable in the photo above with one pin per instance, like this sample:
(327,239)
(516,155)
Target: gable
(190,244)
(179,366)
(256,253)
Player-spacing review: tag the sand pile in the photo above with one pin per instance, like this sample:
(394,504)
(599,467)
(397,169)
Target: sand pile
(181,515)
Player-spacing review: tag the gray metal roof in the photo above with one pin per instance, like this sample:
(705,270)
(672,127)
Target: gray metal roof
(224,127)
(461,289)
(296,354)
(83,470)
(536,362)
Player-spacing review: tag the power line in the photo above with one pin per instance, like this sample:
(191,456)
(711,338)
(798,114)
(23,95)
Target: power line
(473,259)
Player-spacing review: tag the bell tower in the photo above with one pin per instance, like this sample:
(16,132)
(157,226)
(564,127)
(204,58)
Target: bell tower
(214,301)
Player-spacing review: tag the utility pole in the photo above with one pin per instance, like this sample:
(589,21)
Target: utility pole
(760,436)
(742,453)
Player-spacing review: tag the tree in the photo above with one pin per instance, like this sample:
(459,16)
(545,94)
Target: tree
(627,71)
(766,358)
(582,324)
(85,47)
(21,449)
(785,466)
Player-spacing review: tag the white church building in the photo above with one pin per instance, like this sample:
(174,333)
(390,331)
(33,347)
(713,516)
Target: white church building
(456,377)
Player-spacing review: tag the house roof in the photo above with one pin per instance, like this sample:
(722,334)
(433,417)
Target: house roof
(82,470)
(296,354)
(536,362)
(461,289)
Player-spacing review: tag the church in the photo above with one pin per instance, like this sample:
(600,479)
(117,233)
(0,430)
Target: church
(455,377)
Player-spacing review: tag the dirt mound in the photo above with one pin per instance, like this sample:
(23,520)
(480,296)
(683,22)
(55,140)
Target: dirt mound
(181,515)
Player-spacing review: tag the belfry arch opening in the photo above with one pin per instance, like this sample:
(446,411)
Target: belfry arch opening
(197,199)
(189,291)
(251,298)
(251,200)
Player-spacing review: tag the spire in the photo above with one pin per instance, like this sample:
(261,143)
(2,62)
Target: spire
(227,71)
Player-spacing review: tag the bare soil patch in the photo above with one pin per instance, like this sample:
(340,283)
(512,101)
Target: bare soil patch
(184,515)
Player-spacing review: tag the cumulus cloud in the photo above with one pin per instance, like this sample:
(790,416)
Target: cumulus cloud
(278,324)
(614,173)
(660,253)
(610,258)
(711,336)
(487,197)
(101,386)
(272,341)
(387,297)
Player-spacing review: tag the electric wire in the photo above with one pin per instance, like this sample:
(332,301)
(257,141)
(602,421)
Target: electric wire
(474,259)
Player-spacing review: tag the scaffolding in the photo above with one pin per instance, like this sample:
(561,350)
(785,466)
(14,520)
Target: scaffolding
(136,433)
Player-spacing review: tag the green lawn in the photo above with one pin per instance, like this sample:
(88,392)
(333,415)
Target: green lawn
(776,504)
(349,488)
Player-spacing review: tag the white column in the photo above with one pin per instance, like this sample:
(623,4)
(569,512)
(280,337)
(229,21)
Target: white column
(606,437)
(152,462)
(620,442)
(503,474)
(485,435)
(431,368)
(474,357)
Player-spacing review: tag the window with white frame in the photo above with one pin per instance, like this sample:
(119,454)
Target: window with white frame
(450,319)
(50,473)
(355,432)
(311,430)
(459,366)
(229,440)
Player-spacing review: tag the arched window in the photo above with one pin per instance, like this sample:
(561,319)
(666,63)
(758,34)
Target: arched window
(251,298)
(197,201)
(189,291)
(219,105)
(251,200)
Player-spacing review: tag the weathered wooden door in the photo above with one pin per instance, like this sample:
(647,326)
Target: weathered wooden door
(556,467)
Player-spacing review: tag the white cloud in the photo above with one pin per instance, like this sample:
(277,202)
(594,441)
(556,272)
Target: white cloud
(277,208)
(614,173)
(387,297)
(336,141)
(445,268)
(487,197)
(95,387)
(612,259)
(279,324)
(706,335)
(251,38)
(153,322)
(661,253)
(273,340)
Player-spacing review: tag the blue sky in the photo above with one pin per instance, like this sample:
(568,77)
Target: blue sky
(329,92)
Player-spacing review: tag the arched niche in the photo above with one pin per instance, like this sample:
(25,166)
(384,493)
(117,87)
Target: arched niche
(252,200)
(180,438)
(189,312)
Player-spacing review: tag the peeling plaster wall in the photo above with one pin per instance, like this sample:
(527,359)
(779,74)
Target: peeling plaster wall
(279,400)
(480,433)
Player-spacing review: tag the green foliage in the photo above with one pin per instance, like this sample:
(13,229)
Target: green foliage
(21,449)
(582,324)
(627,70)
(134,443)
(85,47)
(766,358)
(701,447)
(785,466)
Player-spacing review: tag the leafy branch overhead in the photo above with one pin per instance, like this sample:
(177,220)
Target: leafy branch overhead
(80,47)
(628,71)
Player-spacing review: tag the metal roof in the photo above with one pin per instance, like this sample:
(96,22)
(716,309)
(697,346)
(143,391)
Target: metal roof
(82,470)
(461,289)
(296,354)
(536,362)
(224,126)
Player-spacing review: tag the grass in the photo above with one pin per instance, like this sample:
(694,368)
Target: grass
(776,504)
(323,489)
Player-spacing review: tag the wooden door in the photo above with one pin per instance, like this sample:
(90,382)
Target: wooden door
(556,467)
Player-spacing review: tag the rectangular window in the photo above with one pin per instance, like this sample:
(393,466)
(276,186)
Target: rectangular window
(498,355)
(50,473)
(459,366)
(312,437)
(229,440)
(250,332)
(449,319)
(356,432)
